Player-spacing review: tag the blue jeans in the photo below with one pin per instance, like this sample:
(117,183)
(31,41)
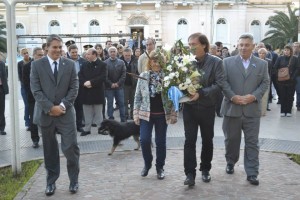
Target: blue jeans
(26,105)
(119,96)
(159,121)
(298,91)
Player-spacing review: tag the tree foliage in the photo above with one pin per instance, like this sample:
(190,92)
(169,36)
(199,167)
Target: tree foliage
(283,28)
(3,45)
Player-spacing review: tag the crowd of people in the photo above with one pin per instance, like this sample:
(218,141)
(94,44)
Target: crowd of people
(65,93)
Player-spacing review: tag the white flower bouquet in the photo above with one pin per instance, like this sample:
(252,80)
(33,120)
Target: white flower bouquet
(182,78)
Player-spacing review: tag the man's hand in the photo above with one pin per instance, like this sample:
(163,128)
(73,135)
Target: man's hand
(243,100)
(114,85)
(249,98)
(194,97)
(238,99)
(57,111)
(87,84)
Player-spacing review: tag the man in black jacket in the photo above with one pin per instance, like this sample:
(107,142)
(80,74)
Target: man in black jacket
(37,54)
(91,88)
(200,111)
(130,81)
(114,86)
(3,92)
(73,53)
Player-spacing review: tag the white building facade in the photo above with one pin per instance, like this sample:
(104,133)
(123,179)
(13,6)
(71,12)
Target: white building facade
(164,20)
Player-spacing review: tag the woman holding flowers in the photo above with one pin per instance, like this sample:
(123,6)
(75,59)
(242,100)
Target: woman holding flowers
(151,108)
(200,110)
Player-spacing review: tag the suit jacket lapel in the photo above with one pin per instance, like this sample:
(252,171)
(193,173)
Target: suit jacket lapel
(61,69)
(251,66)
(48,68)
(240,65)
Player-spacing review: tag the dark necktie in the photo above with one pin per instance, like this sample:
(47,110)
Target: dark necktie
(55,71)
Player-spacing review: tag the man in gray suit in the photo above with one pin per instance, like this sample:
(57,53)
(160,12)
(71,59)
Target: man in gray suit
(54,85)
(246,81)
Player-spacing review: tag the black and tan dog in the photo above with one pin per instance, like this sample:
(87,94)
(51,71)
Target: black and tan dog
(120,131)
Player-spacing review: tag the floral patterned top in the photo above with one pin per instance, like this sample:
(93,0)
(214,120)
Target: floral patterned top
(141,109)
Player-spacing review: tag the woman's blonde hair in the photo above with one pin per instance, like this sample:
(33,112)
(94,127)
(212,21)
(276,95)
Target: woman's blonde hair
(157,56)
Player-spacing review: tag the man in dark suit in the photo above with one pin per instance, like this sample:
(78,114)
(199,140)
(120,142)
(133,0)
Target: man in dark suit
(3,92)
(91,80)
(246,81)
(37,54)
(73,53)
(54,84)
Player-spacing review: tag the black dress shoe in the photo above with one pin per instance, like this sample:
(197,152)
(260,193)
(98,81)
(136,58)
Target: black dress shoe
(145,171)
(84,133)
(35,145)
(160,174)
(206,176)
(2,133)
(94,125)
(230,169)
(80,129)
(73,187)
(50,189)
(219,115)
(253,180)
(190,180)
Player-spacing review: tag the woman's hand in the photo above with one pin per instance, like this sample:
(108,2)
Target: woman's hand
(137,121)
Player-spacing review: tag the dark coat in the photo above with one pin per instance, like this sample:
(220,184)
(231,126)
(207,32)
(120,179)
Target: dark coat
(3,77)
(20,69)
(116,73)
(131,67)
(26,80)
(96,73)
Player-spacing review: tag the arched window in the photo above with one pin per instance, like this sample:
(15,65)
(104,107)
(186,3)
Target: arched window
(20,30)
(54,27)
(94,28)
(182,30)
(255,29)
(221,21)
(222,31)
(267,27)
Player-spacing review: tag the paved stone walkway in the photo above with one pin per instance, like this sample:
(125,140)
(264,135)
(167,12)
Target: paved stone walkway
(117,177)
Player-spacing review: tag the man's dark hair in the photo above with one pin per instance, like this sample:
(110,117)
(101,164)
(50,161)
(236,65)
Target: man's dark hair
(268,47)
(202,39)
(107,42)
(72,46)
(218,44)
(51,38)
(36,49)
(44,46)
(94,51)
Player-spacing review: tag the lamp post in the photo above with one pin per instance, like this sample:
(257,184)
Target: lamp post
(13,77)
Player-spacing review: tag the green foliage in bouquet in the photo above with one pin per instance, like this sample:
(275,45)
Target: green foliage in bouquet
(180,70)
